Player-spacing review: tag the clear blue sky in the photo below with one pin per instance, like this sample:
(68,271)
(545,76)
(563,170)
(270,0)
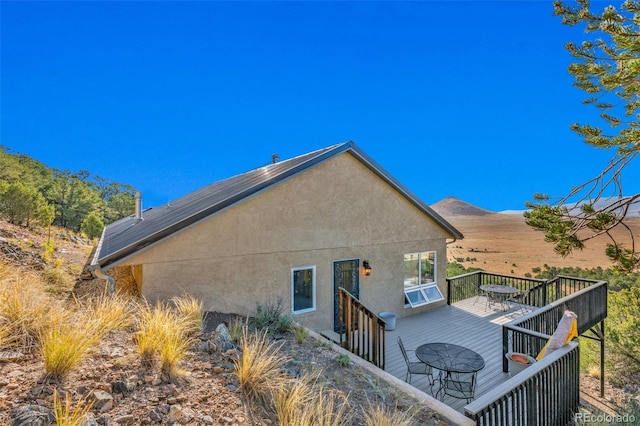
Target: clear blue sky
(467,99)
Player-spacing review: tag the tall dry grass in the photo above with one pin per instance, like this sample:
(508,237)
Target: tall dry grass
(66,415)
(260,368)
(163,335)
(24,307)
(305,402)
(381,416)
(192,310)
(65,341)
(111,312)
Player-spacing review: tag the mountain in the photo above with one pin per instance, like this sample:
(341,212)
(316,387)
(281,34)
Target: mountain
(452,206)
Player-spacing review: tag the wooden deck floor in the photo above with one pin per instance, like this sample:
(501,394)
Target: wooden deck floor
(467,323)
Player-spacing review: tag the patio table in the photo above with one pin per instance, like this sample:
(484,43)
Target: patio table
(499,293)
(451,360)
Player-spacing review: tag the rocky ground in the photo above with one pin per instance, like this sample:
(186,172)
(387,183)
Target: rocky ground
(125,393)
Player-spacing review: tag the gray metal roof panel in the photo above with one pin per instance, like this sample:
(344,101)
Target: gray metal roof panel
(128,235)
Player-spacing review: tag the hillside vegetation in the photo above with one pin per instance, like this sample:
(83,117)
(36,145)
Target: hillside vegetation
(32,193)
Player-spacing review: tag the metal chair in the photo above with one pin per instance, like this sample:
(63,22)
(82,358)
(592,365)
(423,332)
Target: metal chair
(519,300)
(415,367)
(459,385)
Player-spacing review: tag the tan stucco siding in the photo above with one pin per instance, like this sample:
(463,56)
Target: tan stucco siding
(336,210)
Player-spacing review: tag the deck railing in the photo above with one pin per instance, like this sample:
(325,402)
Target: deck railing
(544,394)
(468,285)
(547,392)
(362,330)
(529,333)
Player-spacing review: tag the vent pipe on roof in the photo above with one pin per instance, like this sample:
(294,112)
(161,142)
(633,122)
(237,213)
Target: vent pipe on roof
(275,158)
(138,216)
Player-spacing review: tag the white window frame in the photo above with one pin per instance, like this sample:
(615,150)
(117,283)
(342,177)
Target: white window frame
(313,289)
(423,293)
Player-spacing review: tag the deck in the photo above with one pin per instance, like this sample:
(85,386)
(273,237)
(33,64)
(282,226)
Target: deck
(467,323)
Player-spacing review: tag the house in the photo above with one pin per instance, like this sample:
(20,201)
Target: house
(294,231)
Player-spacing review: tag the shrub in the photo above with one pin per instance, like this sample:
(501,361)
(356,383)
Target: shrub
(301,334)
(343,360)
(260,368)
(67,416)
(271,317)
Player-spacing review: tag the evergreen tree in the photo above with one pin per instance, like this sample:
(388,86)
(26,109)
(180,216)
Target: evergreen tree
(608,69)
(92,226)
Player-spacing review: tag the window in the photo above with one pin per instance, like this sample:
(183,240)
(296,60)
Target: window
(303,289)
(420,285)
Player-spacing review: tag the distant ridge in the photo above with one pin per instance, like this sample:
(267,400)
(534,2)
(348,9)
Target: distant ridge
(452,206)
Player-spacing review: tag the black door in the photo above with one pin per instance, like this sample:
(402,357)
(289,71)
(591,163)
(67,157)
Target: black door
(346,274)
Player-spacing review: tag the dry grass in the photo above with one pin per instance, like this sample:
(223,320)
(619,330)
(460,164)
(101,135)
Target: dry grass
(260,368)
(23,308)
(65,341)
(174,350)
(236,327)
(111,312)
(165,335)
(331,407)
(291,401)
(192,310)
(381,416)
(65,414)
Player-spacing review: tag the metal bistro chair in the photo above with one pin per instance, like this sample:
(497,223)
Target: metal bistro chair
(415,367)
(460,385)
(519,300)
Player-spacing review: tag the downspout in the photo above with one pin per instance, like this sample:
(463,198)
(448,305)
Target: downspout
(109,278)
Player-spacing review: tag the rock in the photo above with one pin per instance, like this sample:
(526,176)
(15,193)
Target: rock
(119,387)
(208,420)
(127,419)
(89,420)
(223,338)
(32,415)
(102,401)
(187,416)
(155,416)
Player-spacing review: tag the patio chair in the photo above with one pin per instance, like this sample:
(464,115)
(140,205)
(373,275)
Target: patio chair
(415,367)
(460,385)
(519,300)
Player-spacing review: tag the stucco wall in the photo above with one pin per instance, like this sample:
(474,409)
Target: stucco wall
(336,210)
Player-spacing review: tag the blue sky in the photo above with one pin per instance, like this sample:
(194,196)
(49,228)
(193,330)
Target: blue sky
(465,99)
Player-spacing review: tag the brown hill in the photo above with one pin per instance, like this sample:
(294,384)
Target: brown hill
(503,243)
(451,206)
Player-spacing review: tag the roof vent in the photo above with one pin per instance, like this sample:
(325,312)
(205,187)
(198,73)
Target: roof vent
(138,216)
(275,158)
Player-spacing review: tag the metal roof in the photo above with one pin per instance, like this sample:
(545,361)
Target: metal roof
(126,236)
